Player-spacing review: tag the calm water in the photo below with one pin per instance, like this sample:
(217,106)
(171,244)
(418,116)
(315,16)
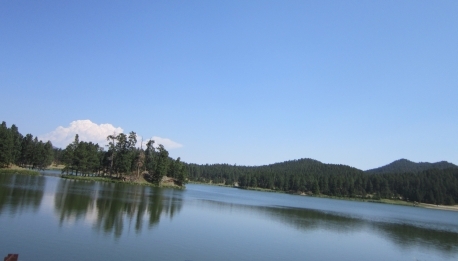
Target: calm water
(48,218)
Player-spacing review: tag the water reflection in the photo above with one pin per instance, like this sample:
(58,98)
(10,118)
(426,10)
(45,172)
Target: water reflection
(115,209)
(306,219)
(402,235)
(20,192)
(73,199)
(110,207)
(406,236)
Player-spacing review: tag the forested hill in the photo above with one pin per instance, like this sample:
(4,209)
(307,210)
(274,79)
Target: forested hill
(407,166)
(289,175)
(436,185)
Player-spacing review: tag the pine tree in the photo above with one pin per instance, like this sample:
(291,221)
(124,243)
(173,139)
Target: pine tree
(17,140)
(179,171)
(27,148)
(161,164)
(6,146)
(150,158)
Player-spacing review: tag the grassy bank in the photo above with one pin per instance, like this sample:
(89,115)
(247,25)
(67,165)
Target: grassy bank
(140,181)
(19,171)
(56,167)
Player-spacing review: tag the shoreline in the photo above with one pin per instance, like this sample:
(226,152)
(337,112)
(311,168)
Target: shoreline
(140,182)
(379,201)
(20,171)
(143,182)
(440,207)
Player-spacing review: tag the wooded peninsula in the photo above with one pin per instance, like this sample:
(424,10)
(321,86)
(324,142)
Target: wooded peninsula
(433,183)
(122,161)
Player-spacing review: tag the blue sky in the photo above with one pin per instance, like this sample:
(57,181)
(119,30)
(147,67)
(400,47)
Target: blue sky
(359,83)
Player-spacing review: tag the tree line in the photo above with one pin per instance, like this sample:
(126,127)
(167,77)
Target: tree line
(435,186)
(25,151)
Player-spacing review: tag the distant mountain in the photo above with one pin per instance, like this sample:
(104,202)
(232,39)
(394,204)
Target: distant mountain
(403,166)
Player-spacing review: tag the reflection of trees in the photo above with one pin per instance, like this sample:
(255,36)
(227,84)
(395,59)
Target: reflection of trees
(73,199)
(299,218)
(166,201)
(20,191)
(403,235)
(313,219)
(408,236)
(111,207)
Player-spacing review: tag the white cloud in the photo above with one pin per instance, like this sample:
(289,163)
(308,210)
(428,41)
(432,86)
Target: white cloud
(166,142)
(86,130)
(97,133)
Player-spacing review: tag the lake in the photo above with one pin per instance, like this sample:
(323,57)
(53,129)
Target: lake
(49,218)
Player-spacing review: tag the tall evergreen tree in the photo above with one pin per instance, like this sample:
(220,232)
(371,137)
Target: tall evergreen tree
(17,140)
(26,150)
(6,146)
(161,163)
(150,161)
